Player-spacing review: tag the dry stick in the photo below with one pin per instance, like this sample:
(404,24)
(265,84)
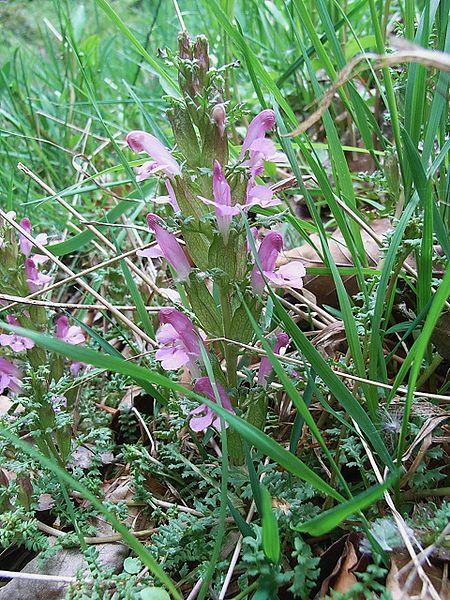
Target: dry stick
(74,305)
(109,539)
(73,277)
(320,311)
(401,525)
(302,314)
(91,228)
(81,282)
(36,576)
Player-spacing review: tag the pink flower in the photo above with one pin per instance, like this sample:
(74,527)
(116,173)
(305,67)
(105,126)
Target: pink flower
(163,161)
(35,278)
(71,335)
(219,117)
(289,275)
(10,377)
(263,149)
(265,366)
(261,195)
(203,417)
(25,244)
(169,248)
(222,201)
(179,339)
(16,342)
(263,122)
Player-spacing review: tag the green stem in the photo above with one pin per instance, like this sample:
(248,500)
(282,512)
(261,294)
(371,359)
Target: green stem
(229,349)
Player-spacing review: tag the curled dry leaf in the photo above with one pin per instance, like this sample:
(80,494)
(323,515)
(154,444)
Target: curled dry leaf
(339,563)
(331,341)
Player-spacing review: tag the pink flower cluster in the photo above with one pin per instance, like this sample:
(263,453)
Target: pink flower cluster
(180,342)
(10,376)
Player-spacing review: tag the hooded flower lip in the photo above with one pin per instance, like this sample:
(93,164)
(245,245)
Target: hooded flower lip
(16,342)
(263,122)
(265,366)
(35,278)
(10,377)
(289,275)
(25,245)
(170,248)
(162,159)
(203,416)
(179,339)
(71,335)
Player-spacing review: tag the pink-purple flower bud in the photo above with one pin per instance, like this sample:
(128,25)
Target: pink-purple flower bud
(219,117)
(170,247)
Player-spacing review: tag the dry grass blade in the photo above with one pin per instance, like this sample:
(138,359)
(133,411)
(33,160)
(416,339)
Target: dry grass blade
(74,277)
(416,54)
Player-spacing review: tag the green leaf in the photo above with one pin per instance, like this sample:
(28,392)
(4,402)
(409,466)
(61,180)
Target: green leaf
(331,518)
(73,484)
(203,305)
(170,84)
(154,593)
(270,532)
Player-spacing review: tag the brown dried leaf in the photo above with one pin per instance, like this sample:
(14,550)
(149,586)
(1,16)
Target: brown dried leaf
(339,563)
(441,335)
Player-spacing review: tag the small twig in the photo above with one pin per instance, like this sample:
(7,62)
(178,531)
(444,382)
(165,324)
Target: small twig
(429,58)
(401,525)
(74,305)
(36,576)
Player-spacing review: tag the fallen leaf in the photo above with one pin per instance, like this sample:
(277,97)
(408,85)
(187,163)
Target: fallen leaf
(339,563)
